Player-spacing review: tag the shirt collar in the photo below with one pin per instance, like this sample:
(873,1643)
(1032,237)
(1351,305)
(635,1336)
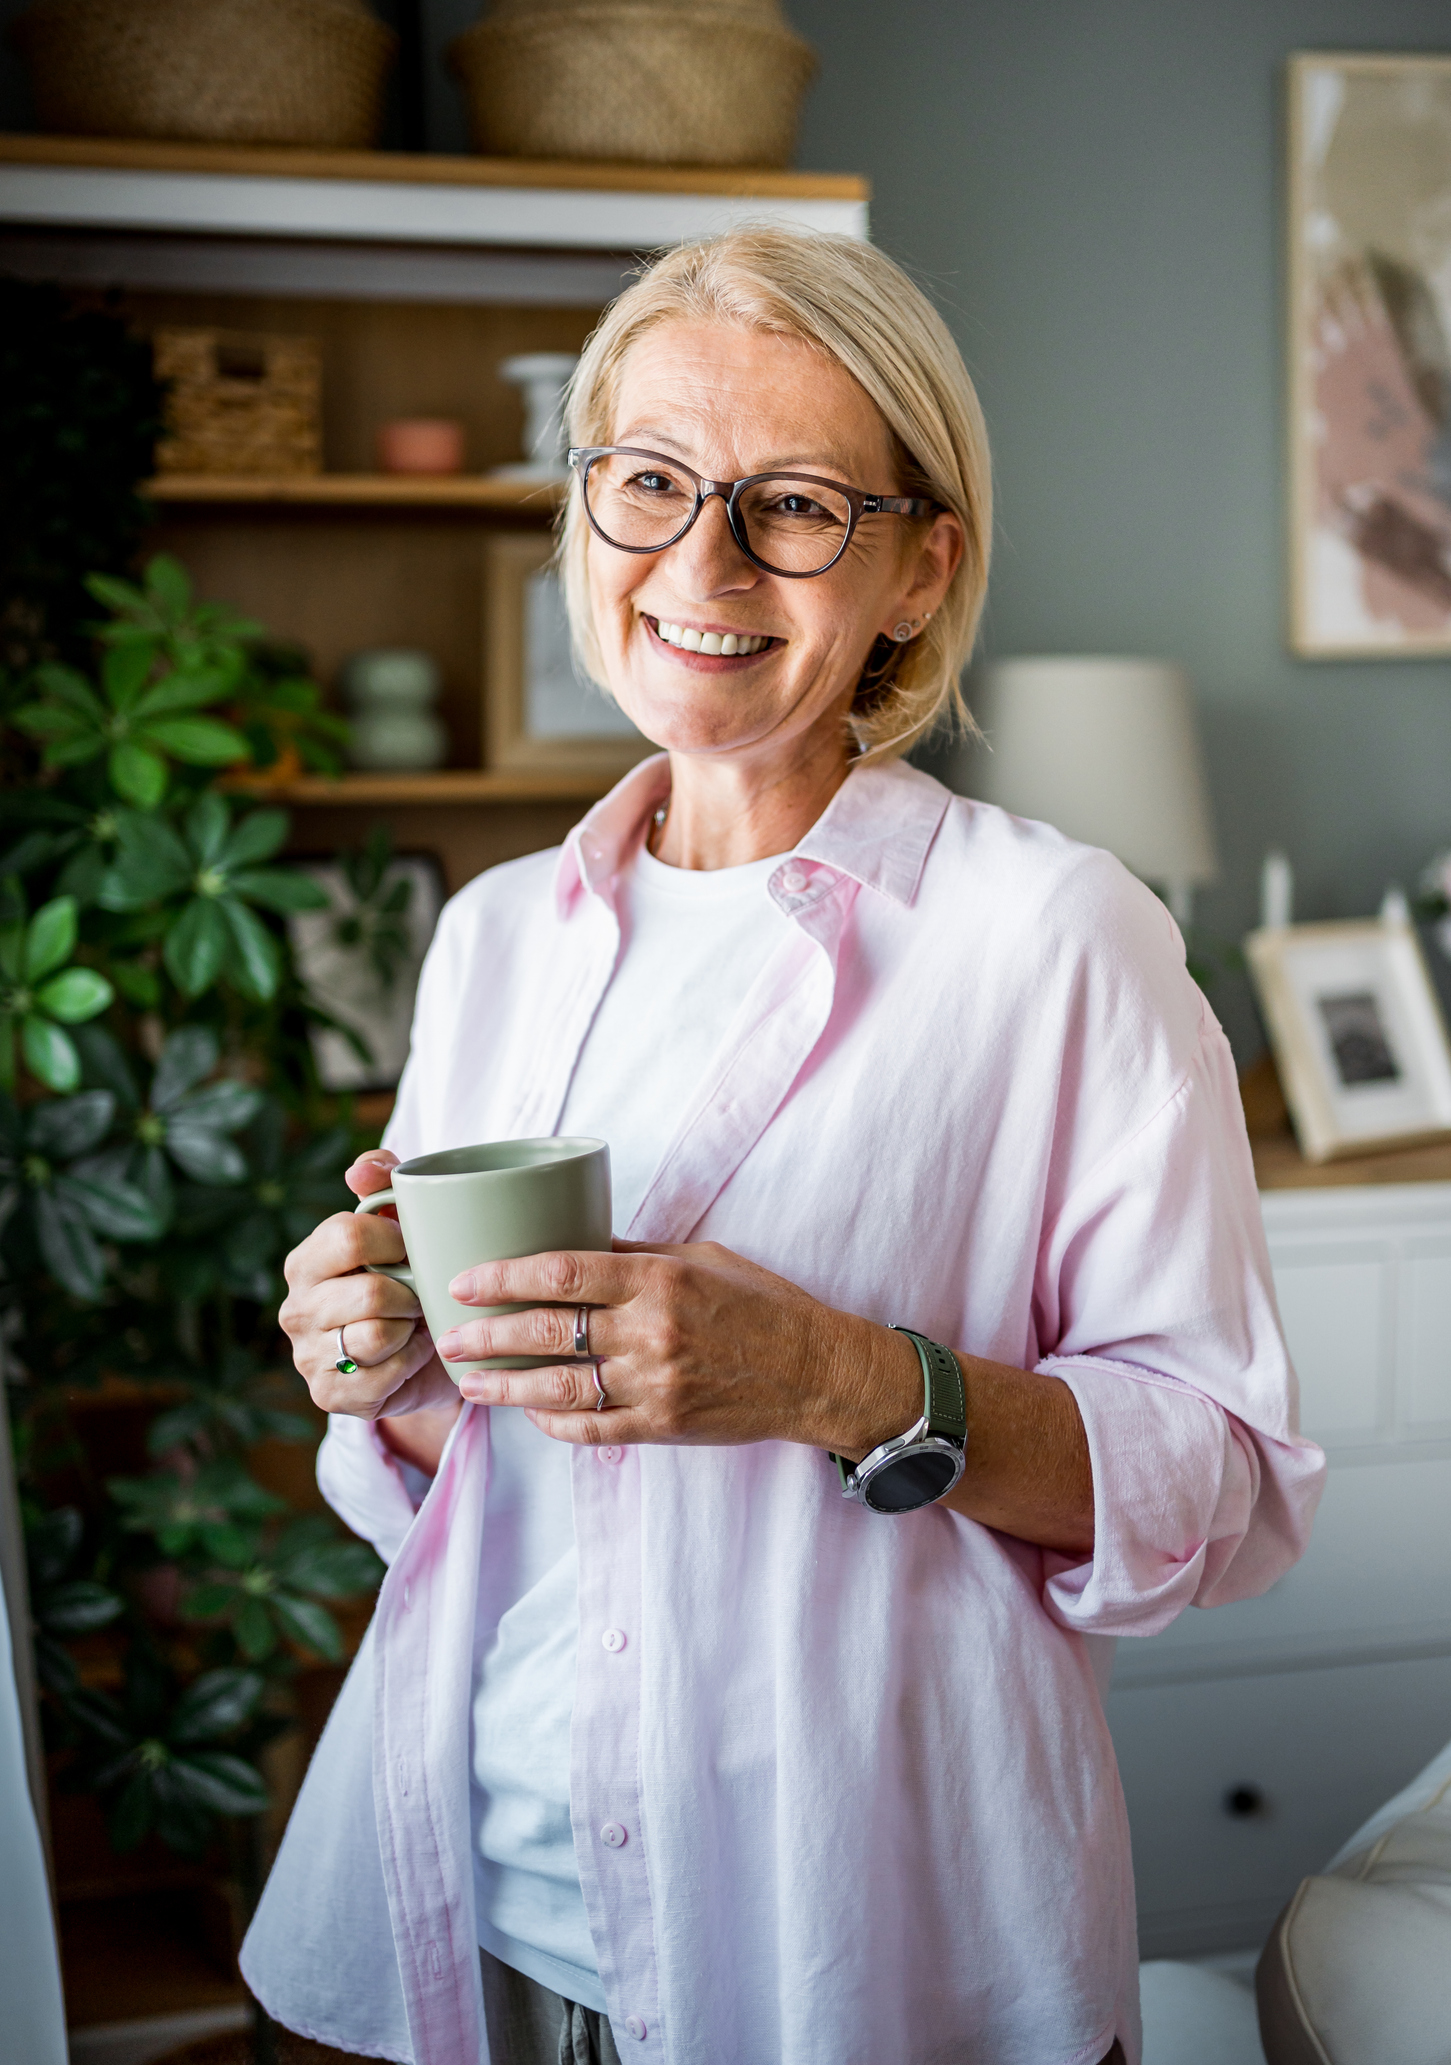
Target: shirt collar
(877,828)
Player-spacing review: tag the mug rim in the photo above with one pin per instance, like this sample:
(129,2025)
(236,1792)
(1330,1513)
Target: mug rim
(575,1148)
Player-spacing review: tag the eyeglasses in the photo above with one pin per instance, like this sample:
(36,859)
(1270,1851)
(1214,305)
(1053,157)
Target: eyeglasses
(796,524)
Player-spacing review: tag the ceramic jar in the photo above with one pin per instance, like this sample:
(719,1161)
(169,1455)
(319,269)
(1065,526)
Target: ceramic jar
(390,696)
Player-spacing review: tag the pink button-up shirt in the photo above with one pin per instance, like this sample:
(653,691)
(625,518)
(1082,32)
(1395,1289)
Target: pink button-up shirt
(843,1794)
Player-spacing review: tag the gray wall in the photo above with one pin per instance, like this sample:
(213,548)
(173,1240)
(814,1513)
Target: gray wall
(1093,191)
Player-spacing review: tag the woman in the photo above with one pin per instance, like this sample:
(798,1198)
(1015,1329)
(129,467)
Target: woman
(657,1741)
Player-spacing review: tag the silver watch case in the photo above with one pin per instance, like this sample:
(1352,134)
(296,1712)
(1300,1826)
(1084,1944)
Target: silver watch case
(916,1443)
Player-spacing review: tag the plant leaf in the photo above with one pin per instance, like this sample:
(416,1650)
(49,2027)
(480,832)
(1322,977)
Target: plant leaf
(50,938)
(117,595)
(72,1126)
(168,587)
(75,995)
(207,823)
(196,946)
(129,1822)
(214,1704)
(279,889)
(309,1624)
(206,1156)
(69,1247)
(124,671)
(79,1606)
(222,1107)
(256,1636)
(255,960)
(151,863)
(185,688)
(50,1054)
(68,686)
(200,741)
(256,837)
(221,1782)
(118,1210)
(189,1054)
(138,775)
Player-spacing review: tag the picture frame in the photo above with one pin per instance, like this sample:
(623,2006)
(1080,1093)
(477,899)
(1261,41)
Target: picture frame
(1369,345)
(342,978)
(1357,1034)
(540,714)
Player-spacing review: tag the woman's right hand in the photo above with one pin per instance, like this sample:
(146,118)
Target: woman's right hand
(328,1287)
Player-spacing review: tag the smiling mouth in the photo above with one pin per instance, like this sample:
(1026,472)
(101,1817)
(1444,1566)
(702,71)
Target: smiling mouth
(712,644)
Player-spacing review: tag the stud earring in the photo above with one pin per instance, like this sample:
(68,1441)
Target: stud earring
(903,631)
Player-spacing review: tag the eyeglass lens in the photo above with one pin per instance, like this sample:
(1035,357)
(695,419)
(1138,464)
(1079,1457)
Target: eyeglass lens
(794,525)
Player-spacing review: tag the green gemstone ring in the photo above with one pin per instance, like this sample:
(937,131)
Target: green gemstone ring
(345,1361)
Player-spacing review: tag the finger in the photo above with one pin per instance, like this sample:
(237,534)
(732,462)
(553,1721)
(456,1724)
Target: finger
(369,1342)
(341,1244)
(591,1429)
(346,1300)
(538,1330)
(567,1277)
(559,1388)
(370,1172)
(366,1391)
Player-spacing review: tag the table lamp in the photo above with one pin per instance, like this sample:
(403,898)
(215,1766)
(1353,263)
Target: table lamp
(1108,751)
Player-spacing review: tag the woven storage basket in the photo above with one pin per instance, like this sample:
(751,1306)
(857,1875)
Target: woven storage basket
(239,402)
(214,71)
(651,83)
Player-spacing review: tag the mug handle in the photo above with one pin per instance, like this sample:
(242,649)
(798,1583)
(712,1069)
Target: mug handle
(399,1271)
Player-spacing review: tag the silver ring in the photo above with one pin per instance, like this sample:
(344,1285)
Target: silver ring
(581,1330)
(599,1389)
(345,1363)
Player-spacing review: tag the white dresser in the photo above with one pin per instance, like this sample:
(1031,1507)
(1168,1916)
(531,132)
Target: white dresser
(1254,1738)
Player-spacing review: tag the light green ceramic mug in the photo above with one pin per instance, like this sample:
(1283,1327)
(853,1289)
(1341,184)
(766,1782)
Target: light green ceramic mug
(489,1204)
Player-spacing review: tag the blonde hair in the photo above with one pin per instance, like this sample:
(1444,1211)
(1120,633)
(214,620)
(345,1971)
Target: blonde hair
(849,300)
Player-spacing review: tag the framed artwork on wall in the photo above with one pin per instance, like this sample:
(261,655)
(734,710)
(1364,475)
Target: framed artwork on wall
(1357,1034)
(1370,355)
(539,712)
(360,959)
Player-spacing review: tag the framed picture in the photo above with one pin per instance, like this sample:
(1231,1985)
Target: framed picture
(361,958)
(539,712)
(1370,355)
(1357,1034)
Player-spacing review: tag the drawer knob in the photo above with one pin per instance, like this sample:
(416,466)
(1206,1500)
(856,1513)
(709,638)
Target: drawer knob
(1245,1803)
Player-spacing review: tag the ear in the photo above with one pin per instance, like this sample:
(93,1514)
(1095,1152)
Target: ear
(928,568)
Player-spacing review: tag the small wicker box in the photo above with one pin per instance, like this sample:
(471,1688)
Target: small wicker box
(239,402)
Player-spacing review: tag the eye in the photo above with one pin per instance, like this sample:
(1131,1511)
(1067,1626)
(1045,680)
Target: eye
(654,483)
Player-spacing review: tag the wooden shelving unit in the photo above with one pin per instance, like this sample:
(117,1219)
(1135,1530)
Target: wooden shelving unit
(358,491)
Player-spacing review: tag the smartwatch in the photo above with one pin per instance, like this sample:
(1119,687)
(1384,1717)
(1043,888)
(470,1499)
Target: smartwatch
(921,1466)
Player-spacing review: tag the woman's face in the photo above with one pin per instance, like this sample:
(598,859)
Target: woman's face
(731,401)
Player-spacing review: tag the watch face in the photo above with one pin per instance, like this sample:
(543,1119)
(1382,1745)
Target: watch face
(912,1480)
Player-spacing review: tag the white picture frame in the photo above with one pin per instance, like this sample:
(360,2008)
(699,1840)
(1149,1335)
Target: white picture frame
(1357,1035)
(1369,341)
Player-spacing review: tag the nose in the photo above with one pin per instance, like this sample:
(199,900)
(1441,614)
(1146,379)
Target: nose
(708,560)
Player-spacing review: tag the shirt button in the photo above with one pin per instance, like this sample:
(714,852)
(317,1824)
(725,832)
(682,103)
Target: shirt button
(613,1639)
(613,1835)
(793,879)
(608,1455)
(636,2028)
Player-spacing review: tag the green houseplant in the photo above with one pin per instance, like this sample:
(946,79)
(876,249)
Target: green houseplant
(163,1142)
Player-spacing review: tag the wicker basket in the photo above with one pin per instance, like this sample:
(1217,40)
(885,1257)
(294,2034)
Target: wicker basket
(713,84)
(239,402)
(215,71)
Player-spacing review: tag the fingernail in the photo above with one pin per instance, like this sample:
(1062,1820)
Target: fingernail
(450,1343)
(471,1388)
(462,1286)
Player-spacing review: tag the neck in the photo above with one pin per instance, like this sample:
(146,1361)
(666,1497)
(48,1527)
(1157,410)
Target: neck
(722,815)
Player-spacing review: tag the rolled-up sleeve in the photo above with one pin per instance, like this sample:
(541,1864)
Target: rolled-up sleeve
(366,1486)
(1154,1286)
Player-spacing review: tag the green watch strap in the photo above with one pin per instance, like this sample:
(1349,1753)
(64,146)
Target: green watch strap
(944,1399)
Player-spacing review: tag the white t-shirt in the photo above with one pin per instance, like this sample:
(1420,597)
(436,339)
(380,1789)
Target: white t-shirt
(691,945)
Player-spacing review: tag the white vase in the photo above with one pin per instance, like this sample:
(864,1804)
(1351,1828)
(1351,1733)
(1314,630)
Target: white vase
(390,697)
(543,375)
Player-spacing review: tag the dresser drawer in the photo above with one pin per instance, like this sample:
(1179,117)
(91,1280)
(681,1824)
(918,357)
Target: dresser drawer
(1239,1786)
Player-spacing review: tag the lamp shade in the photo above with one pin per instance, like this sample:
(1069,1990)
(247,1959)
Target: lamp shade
(1108,751)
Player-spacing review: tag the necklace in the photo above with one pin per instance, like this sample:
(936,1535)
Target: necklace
(657,826)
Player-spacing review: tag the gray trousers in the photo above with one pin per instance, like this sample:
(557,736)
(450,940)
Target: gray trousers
(529,2025)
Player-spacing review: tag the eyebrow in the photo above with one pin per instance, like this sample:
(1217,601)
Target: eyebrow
(671,447)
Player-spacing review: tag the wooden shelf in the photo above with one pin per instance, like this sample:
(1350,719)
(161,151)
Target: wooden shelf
(393,197)
(449,785)
(124,154)
(360,491)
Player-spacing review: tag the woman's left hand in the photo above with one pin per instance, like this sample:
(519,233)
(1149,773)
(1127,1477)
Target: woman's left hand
(694,1343)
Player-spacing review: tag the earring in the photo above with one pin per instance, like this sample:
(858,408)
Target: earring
(903,631)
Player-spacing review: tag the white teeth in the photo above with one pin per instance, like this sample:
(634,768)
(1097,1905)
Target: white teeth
(727,643)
